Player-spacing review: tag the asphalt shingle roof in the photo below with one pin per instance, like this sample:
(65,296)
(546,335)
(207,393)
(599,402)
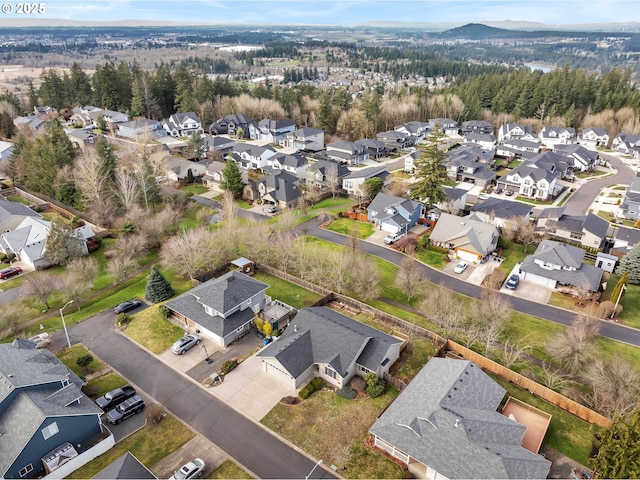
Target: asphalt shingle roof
(446,419)
(504,209)
(126,467)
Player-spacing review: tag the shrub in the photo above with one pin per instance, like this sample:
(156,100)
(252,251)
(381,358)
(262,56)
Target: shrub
(2,256)
(164,311)
(605,309)
(289,400)
(346,392)
(154,413)
(83,361)
(317,383)
(358,384)
(375,386)
(122,319)
(313,386)
(227,366)
(11,255)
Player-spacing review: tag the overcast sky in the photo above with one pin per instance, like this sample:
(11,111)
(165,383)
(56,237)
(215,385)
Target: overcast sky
(342,12)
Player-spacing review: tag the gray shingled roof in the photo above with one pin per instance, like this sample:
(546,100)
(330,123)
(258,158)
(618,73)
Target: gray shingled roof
(322,335)
(126,467)
(446,419)
(504,209)
(557,253)
(368,172)
(455,193)
(9,209)
(552,212)
(221,294)
(478,234)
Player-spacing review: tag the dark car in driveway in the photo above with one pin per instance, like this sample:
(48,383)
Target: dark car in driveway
(128,305)
(129,407)
(513,282)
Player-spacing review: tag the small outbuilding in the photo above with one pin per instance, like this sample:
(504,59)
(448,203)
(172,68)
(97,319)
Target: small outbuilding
(243,265)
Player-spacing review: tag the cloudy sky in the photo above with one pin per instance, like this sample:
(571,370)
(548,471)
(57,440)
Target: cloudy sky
(342,12)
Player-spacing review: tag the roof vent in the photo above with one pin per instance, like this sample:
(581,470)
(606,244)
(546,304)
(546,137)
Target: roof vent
(457,423)
(461,223)
(295,328)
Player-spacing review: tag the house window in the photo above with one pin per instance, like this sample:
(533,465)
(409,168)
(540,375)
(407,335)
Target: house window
(363,369)
(575,236)
(330,372)
(50,431)
(26,470)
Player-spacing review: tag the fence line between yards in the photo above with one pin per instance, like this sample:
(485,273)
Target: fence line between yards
(444,345)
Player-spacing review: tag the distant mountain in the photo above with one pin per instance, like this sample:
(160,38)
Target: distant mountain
(478,31)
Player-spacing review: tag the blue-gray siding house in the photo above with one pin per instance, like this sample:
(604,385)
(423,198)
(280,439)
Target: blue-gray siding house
(47,423)
(394,214)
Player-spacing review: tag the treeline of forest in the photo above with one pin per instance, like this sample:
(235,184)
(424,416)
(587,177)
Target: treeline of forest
(564,93)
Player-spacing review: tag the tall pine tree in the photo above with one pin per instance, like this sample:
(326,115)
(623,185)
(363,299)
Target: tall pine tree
(232,178)
(630,264)
(431,173)
(158,287)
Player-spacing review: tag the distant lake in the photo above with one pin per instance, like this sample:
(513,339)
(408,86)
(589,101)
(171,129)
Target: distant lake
(537,66)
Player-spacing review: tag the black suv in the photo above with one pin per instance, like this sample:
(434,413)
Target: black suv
(127,408)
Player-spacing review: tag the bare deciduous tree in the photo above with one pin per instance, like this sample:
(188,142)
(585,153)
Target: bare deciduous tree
(41,286)
(615,386)
(127,189)
(572,344)
(11,317)
(492,311)
(364,277)
(120,267)
(409,278)
(191,252)
(85,269)
(73,288)
(444,309)
(512,354)
(331,179)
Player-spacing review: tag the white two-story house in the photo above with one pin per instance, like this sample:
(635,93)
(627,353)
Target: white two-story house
(252,156)
(183,124)
(550,136)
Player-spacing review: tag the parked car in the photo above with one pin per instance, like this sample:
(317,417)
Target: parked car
(185,343)
(508,193)
(272,209)
(194,468)
(115,397)
(10,272)
(393,238)
(460,267)
(128,305)
(124,410)
(260,334)
(513,281)
(498,191)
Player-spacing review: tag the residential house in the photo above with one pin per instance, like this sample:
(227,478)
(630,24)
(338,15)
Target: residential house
(305,139)
(417,130)
(320,342)
(556,263)
(231,125)
(394,141)
(627,143)
(30,122)
(445,425)
(519,148)
(625,238)
(500,212)
(476,126)
(588,230)
(350,153)
(486,141)
(581,159)
(537,177)
(454,202)
(445,125)
(141,129)
(82,139)
(214,175)
(125,467)
(513,131)
(279,188)
(273,131)
(470,163)
(28,241)
(295,163)
(394,214)
(176,168)
(49,427)
(550,136)
(5,150)
(223,308)
(353,182)
(322,172)
(13,213)
(468,239)
(223,145)
(43,111)
(630,206)
(110,116)
(411,160)
(183,124)
(594,137)
(373,148)
(606,262)
(252,156)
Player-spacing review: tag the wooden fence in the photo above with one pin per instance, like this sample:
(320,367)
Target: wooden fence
(445,345)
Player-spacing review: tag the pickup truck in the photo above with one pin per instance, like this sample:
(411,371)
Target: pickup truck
(393,238)
(115,397)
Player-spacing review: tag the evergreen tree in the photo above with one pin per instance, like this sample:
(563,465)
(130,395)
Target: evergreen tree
(149,189)
(158,287)
(430,173)
(196,149)
(79,85)
(371,187)
(618,448)
(32,97)
(7,128)
(107,158)
(62,245)
(617,291)
(232,178)
(101,123)
(630,264)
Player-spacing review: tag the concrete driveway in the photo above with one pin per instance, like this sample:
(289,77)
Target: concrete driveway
(251,391)
(526,289)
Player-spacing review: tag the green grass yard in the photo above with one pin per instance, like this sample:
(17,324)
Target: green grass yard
(347,226)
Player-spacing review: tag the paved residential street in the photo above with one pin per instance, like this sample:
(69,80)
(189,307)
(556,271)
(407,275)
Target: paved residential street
(254,447)
(610,330)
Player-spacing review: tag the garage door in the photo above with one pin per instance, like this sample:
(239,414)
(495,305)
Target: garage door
(276,370)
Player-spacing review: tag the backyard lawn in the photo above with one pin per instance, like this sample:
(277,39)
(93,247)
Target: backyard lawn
(70,356)
(333,428)
(347,226)
(195,189)
(286,292)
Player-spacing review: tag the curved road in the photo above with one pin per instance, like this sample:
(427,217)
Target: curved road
(255,447)
(610,330)
(582,199)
